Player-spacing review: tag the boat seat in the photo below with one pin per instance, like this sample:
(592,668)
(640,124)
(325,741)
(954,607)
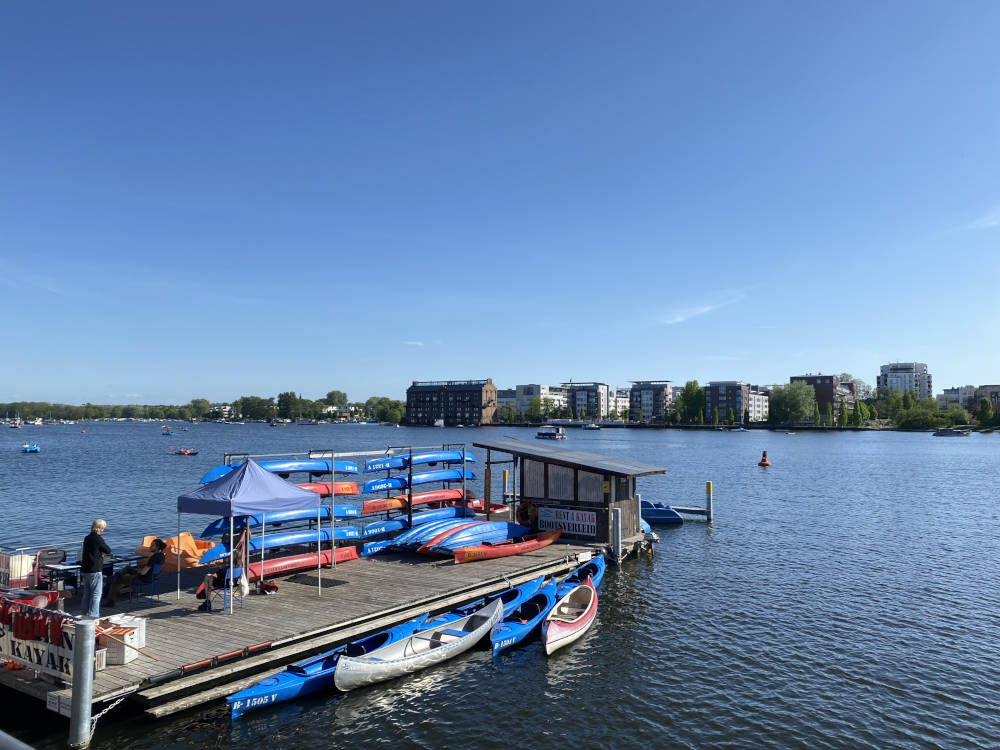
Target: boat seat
(449,631)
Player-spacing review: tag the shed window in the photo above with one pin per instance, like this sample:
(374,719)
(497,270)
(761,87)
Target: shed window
(590,487)
(560,482)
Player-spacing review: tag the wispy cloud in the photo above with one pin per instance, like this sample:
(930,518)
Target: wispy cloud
(687,313)
(414,343)
(988,221)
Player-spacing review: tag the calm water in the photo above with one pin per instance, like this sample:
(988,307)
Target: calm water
(845,597)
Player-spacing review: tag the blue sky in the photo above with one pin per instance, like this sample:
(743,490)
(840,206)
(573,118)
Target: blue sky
(246,198)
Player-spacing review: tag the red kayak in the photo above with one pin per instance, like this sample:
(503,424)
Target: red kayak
(571,617)
(478,505)
(306,561)
(425,549)
(399,502)
(515,546)
(323,488)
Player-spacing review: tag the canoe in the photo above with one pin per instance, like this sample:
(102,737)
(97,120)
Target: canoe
(373,548)
(313,674)
(399,502)
(31,448)
(220,526)
(402,482)
(420,650)
(516,546)
(426,547)
(276,566)
(484,531)
(400,522)
(594,568)
(323,488)
(185,452)
(659,513)
(283,539)
(402,461)
(311,465)
(510,598)
(571,617)
(417,536)
(521,623)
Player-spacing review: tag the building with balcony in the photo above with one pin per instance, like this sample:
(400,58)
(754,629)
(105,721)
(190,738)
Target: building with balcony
(960,397)
(588,399)
(906,376)
(552,395)
(829,390)
(620,402)
(454,401)
(744,399)
(650,400)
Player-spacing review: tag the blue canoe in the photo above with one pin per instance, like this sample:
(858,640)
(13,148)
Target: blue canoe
(415,537)
(403,461)
(311,465)
(659,513)
(284,539)
(313,674)
(221,526)
(399,522)
(593,568)
(373,548)
(31,448)
(486,531)
(512,598)
(524,620)
(400,482)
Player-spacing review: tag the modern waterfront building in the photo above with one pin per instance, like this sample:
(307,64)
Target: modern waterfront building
(906,376)
(991,393)
(454,401)
(505,397)
(620,402)
(744,399)
(523,394)
(650,400)
(829,390)
(589,399)
(960,397)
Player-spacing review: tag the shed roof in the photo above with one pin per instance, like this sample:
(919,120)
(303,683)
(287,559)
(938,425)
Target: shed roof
(576,459)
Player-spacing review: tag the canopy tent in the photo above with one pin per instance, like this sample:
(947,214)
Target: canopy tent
(247,490)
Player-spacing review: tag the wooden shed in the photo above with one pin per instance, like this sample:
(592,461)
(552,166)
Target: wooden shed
(574,490)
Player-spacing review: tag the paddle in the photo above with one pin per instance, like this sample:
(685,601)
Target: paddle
(106,634)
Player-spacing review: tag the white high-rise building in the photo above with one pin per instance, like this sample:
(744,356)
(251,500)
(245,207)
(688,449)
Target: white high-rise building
(523,394)
(906,376)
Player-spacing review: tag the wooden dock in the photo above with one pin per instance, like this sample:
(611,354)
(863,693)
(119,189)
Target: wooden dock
(201,656)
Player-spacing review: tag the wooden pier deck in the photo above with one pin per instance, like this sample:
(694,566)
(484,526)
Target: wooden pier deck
(202,656)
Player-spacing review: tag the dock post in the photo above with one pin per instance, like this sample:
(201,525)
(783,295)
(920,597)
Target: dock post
(616,534)
(708,502)
(487,484)
(83,682)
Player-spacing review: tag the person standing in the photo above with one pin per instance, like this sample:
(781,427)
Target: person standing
(91,565)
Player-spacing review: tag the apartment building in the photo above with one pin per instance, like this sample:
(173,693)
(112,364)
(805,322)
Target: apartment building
(590,399)
(961,397)
(829,390)
(454,401)
(650,400)
(744,399)
(523,394)
(906,376)
(991,393)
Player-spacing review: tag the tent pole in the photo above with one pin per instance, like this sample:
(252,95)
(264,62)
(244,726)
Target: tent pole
(232,551)
(178,555)
(263,528)
(319,548)
(333,510)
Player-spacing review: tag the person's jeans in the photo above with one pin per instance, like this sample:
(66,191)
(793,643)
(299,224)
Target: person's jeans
(90,598)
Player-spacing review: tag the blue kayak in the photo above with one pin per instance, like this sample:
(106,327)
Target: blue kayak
(399,522)
(486,531)
(311,465)
(284,539)
(523,621)
(401,482)
(512,598)
(403,461)
(593,568)
(313,674)
(373,548)
(221,526)
(417,536)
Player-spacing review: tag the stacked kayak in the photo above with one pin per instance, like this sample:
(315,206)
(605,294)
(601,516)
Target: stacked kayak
(313,674)
(403,482)
(471,534)
(221,525)
(277,566)
(515,546)
(403,461)
(419,498)
(312,466)
(415,537)
(283,539)
(323,489)
(400,523)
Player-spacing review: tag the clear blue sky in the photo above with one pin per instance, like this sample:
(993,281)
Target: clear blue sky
(226,199)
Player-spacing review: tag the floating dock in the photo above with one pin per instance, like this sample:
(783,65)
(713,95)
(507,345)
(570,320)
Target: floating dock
(199,656)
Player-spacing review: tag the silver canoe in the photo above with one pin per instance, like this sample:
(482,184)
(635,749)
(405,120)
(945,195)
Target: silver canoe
(422,649)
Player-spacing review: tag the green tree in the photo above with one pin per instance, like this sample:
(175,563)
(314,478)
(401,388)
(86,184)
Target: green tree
(693,401)
(791,403)
(288,405)
(730,417)
(909,399)
(715,416)
(535,409)
(842,415)
(200,407)
(335,398)
(746,417)
(829,415)
(254,407)
(817,419)
(984,415)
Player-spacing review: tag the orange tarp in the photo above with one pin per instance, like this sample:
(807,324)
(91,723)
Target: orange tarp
(191,550)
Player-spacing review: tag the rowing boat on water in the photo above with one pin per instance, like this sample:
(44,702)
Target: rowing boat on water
(422,649)
(515,546)
(571,617)
(593,568)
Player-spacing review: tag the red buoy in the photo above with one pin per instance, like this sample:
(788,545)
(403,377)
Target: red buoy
(763,460)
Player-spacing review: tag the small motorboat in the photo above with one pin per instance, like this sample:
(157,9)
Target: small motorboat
(950,432)
(313,674)
(658,513)
(521,623)
(31,448)
(571,617)
(592,426)
(515,546)
(422,649)
(551,432)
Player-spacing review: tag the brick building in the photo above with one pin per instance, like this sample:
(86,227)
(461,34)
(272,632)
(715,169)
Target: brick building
(454,401)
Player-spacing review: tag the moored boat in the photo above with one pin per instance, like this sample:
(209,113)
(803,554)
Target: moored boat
(950,432)
(571,617)
(593,569)
(515,546)
(313,674)
(420,650)
(659,513)
(551,432)
(519,624)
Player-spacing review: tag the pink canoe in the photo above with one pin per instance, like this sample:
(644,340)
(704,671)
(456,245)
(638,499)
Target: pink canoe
(571,617)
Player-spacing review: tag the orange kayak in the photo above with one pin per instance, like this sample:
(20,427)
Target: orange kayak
(323,488)
(399,501)
(516,546)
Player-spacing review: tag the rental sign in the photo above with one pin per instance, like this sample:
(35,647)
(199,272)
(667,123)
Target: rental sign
(573,522)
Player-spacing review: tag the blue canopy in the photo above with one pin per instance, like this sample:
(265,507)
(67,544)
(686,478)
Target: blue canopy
(247,490)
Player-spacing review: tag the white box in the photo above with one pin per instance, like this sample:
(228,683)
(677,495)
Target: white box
(118,653)
(131,621)
(100,659)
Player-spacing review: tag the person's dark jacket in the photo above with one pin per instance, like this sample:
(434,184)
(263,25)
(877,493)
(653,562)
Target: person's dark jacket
(94,550)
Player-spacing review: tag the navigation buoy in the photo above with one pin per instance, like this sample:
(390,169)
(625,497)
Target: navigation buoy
(83,431)
(763,460)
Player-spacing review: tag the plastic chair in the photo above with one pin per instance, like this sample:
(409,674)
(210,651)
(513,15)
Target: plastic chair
(222,594)
(137,585)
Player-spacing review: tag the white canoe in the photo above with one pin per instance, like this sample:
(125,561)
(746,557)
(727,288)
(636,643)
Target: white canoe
(571,617)
(422,649)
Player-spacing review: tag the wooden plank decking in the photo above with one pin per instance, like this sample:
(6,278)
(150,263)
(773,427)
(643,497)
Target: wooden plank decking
(358,597)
